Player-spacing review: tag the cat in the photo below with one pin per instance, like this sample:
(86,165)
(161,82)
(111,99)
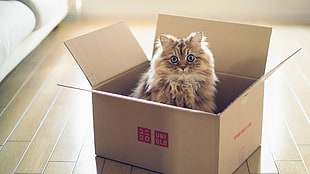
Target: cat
(181,73)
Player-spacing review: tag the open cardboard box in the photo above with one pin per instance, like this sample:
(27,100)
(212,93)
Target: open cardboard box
(166,138)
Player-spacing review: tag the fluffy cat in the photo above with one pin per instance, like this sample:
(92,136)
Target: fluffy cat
(181,74)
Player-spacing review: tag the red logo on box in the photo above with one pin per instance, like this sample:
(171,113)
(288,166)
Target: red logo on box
(144,135)
(161,139)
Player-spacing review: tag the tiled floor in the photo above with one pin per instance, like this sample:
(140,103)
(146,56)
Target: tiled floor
(48,129)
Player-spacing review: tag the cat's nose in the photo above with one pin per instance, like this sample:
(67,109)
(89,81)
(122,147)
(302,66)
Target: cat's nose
(182,66)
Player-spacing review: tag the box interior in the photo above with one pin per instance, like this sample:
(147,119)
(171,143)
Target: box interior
(124,83)
(229,86)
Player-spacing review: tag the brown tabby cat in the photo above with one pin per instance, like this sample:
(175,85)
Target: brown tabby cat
(181,74)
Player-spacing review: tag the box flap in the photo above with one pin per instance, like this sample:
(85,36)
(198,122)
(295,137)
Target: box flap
(264,77)
(238,49)
(244,96)
(107,52)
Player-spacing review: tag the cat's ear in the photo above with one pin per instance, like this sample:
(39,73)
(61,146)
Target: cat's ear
(196,37)
(166,41)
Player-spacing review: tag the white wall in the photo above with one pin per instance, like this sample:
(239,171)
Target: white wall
(287,11)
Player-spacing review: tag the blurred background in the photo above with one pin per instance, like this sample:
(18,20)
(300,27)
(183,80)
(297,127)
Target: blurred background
(258,11)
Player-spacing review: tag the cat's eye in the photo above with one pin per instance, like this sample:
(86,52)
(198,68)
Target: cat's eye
(190,58)
(174,59)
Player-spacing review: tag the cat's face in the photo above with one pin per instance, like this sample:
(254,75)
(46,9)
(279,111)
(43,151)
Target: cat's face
(183,58)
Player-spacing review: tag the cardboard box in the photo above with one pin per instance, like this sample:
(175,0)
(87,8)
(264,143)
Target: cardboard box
(166,138)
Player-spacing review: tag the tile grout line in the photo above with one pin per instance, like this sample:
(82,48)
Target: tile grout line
(295,62)
(30,104)
(268,146)
(22,86)
(273,156)
(286,124)
(27,108)
(45,116)
(301,73)
(58,161)
(43,120)
(83,145)
(297,99)
(74,167)
(70,115)
(56,142)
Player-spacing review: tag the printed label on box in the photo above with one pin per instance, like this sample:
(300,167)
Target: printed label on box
(144,135)
(161,138)
(242,131)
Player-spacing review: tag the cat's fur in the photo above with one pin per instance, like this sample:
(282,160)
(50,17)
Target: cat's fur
(189,84)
